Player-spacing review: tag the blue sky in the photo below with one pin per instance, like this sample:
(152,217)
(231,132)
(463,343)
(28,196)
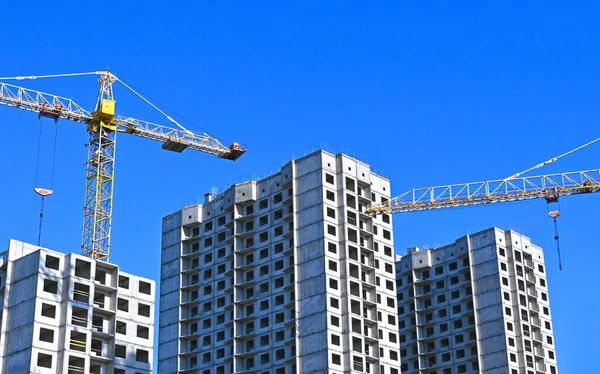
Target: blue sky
(429,93)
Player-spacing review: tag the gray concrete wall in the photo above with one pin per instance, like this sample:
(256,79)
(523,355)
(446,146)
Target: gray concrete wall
(168,347)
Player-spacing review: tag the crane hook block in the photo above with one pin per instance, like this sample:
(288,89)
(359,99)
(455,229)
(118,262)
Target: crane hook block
(42,191)
(553,214)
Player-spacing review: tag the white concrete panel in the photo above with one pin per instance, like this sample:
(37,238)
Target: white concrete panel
(21,290)
(483,271)
(169,316)
(17,249)
(312,305)
(310,251)
(421,259)
(170,265)
(18,363)
(169,285)
(363,172)
(328,161)
(315,323)
(490,283)
(312,286)
(310,269)
(307,165)
(483,239)
(314,363)
(310,233)
(22,314)
(171,238)
(493,344)
(170,299)
(484,254)
(309,216)
(380,185)
(308,199)
(490,329)
(168,366)
(25,267)
(313,342)
(19,339)
(496,361)
(191,215)
(286,176)
(171,222)
(245,192)
(489,299)
(168,334)
(309,181)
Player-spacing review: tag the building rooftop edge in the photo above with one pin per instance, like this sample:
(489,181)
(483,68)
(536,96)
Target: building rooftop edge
(265,177)
(12,241)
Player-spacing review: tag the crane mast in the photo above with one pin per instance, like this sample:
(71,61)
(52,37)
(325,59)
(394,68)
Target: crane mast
(103,126)
(99,174)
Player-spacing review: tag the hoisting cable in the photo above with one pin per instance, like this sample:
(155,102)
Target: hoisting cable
(43,192)
(552,198)
(553,159)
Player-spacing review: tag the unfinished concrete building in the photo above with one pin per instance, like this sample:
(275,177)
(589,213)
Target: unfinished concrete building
(479,305)
(65,313)
(282,275)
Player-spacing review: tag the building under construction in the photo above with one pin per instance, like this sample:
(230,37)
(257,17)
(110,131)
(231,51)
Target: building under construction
(282,275)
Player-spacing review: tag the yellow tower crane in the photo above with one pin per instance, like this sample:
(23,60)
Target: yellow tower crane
(102,126)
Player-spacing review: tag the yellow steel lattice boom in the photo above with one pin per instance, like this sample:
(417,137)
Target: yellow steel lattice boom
(547,187)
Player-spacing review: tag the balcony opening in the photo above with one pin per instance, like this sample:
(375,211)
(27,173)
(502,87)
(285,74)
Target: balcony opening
(101,276)
(79,316)
(48,310)
(76,365)
(97,347)
(83,269)
(145,288)
(77,341)
(50,286)
(120,351)
(46,335)
(81,293)
(52,262)
(141,355)
(44,360)
(98,323)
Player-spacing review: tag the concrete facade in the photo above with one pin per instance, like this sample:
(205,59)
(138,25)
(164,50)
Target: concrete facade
(479,305)
(282,275)
(65,313)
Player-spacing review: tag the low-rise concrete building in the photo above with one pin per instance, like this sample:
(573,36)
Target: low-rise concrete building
(65,313)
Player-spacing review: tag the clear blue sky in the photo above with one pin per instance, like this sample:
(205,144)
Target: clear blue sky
(430,94)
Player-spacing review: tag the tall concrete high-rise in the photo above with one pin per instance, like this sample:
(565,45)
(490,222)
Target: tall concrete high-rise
(479,305)
(65,313)
(282,275)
